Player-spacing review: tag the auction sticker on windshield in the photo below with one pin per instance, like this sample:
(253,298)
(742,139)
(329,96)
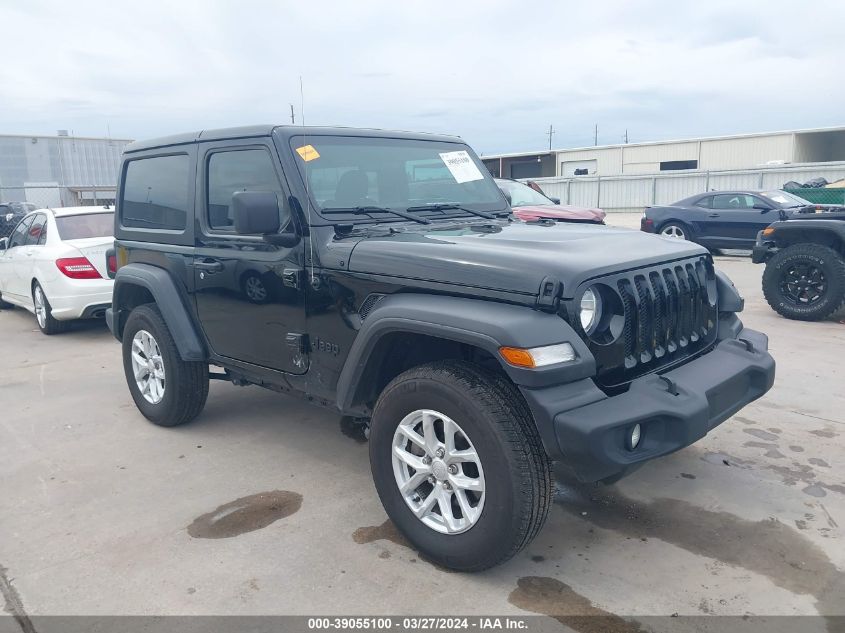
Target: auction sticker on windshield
(307,153)
(462,166)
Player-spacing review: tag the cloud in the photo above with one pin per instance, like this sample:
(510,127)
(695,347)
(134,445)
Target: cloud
(497,73)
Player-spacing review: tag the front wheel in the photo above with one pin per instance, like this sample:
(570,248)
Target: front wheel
(805,282)
(459,465)
(167,390)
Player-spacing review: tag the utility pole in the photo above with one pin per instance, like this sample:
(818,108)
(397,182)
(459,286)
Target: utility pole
(596,135)
(549,134)
(292,118)
(626,137)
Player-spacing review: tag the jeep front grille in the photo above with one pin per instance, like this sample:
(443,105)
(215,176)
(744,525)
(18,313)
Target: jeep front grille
(670,314)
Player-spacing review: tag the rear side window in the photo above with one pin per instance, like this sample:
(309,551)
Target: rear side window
(38,226)
(156,193)
(77,227)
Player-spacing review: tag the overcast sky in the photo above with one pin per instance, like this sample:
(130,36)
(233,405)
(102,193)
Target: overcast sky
(496,73)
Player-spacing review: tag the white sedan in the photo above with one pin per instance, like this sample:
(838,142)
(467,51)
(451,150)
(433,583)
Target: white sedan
(55,265)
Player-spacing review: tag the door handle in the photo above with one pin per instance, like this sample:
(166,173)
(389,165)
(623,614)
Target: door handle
(713,215)
(210,265)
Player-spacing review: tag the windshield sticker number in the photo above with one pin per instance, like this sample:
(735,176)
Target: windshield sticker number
(462,166)
(307,153)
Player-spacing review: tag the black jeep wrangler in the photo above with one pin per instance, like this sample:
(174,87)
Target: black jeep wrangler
(804,278)
(382,275)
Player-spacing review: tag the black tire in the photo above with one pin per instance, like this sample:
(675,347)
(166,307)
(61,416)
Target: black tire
(517,472)
(822,258)
(50,325)
(680,227)
(186,382)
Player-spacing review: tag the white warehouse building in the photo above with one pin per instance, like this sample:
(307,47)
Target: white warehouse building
(629,177)
(59,170)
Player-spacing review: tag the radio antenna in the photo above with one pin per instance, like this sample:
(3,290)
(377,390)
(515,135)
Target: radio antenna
(313,280)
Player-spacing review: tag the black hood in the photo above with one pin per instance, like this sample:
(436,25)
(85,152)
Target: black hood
(515,257)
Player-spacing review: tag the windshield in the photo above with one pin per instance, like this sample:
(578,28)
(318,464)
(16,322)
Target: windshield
(785,198)
(522,195)
(75,227)
(348,172)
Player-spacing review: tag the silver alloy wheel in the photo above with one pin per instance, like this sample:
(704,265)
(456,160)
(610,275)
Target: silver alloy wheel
(438,471)
(674,231)
(148,366)
(255,289)
(40,306)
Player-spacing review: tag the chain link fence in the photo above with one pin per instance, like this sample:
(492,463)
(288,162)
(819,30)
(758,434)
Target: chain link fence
(44,195)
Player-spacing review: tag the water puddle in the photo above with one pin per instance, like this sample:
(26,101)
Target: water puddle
(551,597)
(384,532)
(246,514)
(769,547)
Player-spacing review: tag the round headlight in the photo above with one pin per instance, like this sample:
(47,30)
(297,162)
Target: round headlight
(590,311)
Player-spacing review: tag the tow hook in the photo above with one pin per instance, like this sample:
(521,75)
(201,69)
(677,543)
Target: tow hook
(671,387)
(749,346)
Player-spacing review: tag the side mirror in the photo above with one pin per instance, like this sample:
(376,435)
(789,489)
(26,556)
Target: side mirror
(555,200)
(762,207)
(4,243)
(256,212)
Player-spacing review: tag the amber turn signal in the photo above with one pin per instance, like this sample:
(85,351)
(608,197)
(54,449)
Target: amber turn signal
(517,356)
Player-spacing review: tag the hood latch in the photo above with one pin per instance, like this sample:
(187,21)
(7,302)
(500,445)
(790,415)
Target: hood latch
(548,299)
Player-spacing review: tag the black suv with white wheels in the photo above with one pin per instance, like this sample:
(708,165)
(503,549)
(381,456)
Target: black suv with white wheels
(383,276)
(804,278)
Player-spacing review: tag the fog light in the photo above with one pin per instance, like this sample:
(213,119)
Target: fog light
(634,437)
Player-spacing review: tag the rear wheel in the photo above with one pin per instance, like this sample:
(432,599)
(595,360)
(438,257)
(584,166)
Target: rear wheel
(44,313)
(805,282)
(459,465)
(167,390)
(675,230)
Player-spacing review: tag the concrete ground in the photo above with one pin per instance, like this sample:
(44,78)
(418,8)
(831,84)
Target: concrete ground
(103,513)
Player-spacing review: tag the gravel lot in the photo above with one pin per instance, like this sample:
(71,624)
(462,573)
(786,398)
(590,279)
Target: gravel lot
(104,513)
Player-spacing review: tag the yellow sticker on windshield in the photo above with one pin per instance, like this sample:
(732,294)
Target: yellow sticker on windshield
(307,152)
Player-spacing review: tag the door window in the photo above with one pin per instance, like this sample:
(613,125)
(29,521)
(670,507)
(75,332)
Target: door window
(37,227)
(233,171)
(19,234)
(733,201)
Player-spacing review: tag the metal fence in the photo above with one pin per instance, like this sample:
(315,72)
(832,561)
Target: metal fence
(634,193)
(44,195)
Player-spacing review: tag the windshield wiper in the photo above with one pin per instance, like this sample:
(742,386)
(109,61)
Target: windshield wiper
(372,209)
(445,206)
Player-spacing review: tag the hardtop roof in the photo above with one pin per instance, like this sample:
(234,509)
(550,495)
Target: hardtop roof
(255,131)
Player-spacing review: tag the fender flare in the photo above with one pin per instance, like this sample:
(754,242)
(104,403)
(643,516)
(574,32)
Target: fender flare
(169,301)
(484,324)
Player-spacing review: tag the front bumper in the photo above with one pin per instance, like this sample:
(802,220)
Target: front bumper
(762,250)
(674,409)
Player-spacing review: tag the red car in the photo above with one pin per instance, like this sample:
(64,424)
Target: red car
(530,203)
